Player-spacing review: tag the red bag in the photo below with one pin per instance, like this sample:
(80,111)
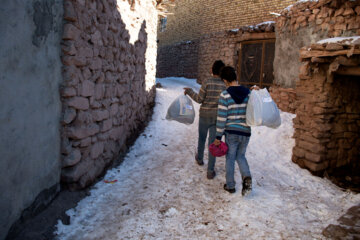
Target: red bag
(218,151)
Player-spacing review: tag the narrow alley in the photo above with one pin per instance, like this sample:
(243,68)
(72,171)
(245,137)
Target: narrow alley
(159,192)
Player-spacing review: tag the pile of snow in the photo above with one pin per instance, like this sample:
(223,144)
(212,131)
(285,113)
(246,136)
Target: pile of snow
(161,193)
(341,40)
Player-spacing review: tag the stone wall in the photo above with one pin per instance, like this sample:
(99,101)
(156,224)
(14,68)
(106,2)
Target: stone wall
(180,60)
(109,56)
(327,123)
(285,98)
(193,19)
(305,23)
(30,75)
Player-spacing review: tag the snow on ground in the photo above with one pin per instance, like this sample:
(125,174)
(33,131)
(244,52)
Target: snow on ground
(161,193)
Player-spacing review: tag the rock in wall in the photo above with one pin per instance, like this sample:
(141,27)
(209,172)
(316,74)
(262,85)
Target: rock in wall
(109,57)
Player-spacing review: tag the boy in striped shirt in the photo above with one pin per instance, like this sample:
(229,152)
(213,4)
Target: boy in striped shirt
(208,97)
(231,121)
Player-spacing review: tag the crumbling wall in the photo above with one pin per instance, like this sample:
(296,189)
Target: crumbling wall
(30,75)
(327,123)
(305,23)
(109,56)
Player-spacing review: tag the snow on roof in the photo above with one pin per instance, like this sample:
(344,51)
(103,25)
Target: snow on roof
(299,2)
(266,23)
(342,40)
(258,27)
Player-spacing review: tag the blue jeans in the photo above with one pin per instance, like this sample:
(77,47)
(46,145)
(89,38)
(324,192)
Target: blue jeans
(205,125)
(237,147)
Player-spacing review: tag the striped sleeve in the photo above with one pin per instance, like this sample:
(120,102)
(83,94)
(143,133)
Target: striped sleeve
(221,116)
(199,97)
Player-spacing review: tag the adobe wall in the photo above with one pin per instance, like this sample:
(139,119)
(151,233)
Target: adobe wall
(30,75)
(193,19)
(183,49)
(109,56)
(306,23)
(194,59)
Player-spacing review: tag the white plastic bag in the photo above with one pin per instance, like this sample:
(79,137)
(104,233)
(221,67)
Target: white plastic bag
(181,110)
(262,110)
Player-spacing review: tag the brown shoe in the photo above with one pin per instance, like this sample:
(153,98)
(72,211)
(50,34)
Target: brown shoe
(211,174)
(198,161)
(230,190)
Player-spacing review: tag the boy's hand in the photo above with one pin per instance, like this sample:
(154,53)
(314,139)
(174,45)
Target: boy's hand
(187,90)
(217,142)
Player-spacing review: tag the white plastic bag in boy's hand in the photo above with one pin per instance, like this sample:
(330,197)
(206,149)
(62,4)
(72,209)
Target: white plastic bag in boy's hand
(262,110)
(181,110)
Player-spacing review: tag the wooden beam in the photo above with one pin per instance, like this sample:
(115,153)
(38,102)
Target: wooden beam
(348,71)
(315,53)
(246,36)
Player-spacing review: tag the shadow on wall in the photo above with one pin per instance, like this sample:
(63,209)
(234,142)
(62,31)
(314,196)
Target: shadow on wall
(105,101)
(179,60)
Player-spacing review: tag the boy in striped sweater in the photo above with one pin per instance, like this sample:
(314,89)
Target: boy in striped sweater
(208,97)
(231,121)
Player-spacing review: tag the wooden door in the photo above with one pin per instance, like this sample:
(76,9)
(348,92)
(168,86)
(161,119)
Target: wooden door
(255,66)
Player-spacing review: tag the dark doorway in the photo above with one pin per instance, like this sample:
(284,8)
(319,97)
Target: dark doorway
(255,66)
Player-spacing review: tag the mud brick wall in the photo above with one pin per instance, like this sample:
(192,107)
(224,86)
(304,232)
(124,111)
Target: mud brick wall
(193,19)
(305,23)
(285,98)
(109,56)
(327,123)
(180,60)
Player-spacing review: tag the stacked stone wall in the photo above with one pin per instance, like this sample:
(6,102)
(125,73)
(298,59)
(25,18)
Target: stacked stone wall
(327,123)
(285,98)
(109,57)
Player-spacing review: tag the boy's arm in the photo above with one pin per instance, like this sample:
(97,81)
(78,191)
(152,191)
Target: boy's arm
(221,116)
(199,98)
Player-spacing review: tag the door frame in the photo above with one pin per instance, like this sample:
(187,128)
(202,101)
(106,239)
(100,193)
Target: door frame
(263,41)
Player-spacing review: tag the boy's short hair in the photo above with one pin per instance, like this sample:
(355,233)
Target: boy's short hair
(218,64)
(228,73)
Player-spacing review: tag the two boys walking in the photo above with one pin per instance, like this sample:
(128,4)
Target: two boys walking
(223,112)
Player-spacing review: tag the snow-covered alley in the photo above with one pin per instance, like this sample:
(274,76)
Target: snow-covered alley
(159,192)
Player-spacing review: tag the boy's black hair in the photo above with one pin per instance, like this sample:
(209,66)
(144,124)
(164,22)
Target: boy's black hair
(218,64)
(228,73)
